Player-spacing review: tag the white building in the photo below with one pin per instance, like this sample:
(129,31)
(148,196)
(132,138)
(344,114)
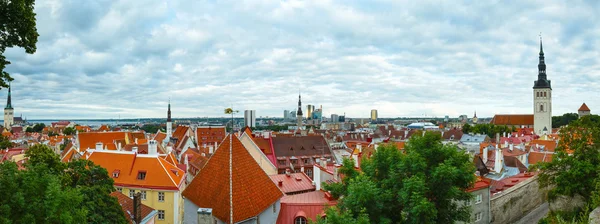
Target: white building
(542,99)
(250,118)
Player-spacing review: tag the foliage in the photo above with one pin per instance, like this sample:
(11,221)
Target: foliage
(52,134)
(276,128)
(565,119)
(151,128)
(17,29)
(29,130)
(64,145)
(578,173)
(69,131)
(5,142)
(49,191)
(488,129)
(424,184)
(39,127)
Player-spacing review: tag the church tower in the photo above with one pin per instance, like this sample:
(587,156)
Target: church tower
(299,113)
(169,123)
(8,112)
(542,99)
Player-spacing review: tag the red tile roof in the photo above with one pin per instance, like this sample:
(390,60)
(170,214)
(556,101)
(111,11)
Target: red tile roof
(160,174)
(294,183)
(505,184)
(127,206)
(512,119)
(104,128)
(536,157)
(309,205)
(160,137)
(549,145)
(584,108)
(253,191)
(481,183)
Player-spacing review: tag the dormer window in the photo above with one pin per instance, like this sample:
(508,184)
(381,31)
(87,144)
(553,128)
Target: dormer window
(115,173)
(141,175)
(175,172)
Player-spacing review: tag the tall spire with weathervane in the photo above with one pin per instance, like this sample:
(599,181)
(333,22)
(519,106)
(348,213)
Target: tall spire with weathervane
(542,98)
(8,112)
(299,113)
(169,123)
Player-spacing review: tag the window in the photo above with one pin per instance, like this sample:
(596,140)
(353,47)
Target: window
(141,175)
(309,173)
(143,195)
(274,208)
(120,189)
(544,94)
(281,162)
(306,161)
(478,199)
(541,108)
(161,196)
(300,220)
(537,94)
(293,161)
(161,214)
(116,173)
(468,202)
(131,193)
(478,217)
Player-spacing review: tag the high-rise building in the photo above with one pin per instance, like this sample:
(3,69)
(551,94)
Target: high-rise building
(8,112)
(293,114)
(542,99)
(373,115)
(250,118)
(309,111)
(335,118)
(286,115)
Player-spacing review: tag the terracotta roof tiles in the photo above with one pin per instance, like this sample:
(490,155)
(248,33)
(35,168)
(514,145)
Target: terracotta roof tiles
(512,119)
(127,206)
(584,108)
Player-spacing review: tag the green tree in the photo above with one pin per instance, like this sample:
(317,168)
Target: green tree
(69,131)
(39,127)
(578,173)
(5,142)
(467,128)
(565,119)
(49,191)
(425,183)
(151,128)
(29,130)
(17,29)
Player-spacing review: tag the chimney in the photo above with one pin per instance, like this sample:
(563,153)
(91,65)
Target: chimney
(266,135)
(288,172)
(216,146)
(504,134)
(511,147)
(119,146)
(359,147)
(152,147)
(137,207)
(280,183)
(405,133)
(323,162)
(169,149)
(211,150)
(205,216)
(135,140)
(186,161)
(336,172)
(99,146)
(203,145)
(497,138)
(499,161)
(355,158)
(485,154)
(302,169)
(134,149)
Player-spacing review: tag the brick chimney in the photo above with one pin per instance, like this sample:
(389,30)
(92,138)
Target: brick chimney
(137,207)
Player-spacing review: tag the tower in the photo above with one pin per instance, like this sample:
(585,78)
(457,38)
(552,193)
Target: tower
(542,98)
(250,118)
(169,123)
(8,112)
(299,112)
(475,118)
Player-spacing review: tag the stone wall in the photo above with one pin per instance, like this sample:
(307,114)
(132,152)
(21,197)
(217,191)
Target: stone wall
(514,203)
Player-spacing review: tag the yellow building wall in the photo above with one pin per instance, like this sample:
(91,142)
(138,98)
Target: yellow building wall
(168,205)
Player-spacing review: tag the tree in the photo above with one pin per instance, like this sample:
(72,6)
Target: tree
(69,131)
(29,130)
(467,128)
(565,119)
(425,183)
(17,29)
(5,142)
(49,191)
(39,127)
(151,128)
(575,168)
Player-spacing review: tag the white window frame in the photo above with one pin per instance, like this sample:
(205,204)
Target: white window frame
(161,195)
(120,189)
(478,199)
(161,213)
(478,217)
(131,193)
(300,220)
(143,195)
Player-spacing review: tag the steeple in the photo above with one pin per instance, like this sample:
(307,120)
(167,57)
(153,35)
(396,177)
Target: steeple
(8,101)
(169,112)
(475,115)
(299,113)
(542,81)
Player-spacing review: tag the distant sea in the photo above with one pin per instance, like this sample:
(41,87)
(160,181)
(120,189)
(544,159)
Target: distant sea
(91,123)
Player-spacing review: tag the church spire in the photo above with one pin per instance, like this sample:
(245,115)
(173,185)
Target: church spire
(542,81)
(299,113)
(169,112)
(8,100)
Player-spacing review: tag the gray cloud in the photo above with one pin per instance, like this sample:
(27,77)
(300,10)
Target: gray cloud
(104,59)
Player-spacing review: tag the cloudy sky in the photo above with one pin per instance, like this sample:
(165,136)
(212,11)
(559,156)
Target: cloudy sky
(110,58)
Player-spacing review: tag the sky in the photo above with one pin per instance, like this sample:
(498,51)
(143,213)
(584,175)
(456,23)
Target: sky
(127,58)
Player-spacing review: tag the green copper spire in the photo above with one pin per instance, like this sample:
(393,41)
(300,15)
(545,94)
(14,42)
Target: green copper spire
(8,101)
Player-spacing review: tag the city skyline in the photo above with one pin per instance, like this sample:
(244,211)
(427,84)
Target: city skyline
(127,58)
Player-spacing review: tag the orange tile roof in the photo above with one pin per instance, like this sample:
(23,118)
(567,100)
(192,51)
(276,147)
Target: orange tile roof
(512,119)
(253,191)
(294,183)
(180,132)
(536,157)
(549,145)
(480,183)
(67,156)
(127,206)
(89,139)
(160,137)
(104,128)
(584,108)
(160,174)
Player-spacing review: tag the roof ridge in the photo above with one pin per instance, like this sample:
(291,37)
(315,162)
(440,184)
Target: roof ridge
(167,171)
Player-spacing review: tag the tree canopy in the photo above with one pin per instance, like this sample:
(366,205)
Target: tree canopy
(565,119)
(425,183)
(17,29)
(578,173)
(69,131)
(49,191)
(488,129)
